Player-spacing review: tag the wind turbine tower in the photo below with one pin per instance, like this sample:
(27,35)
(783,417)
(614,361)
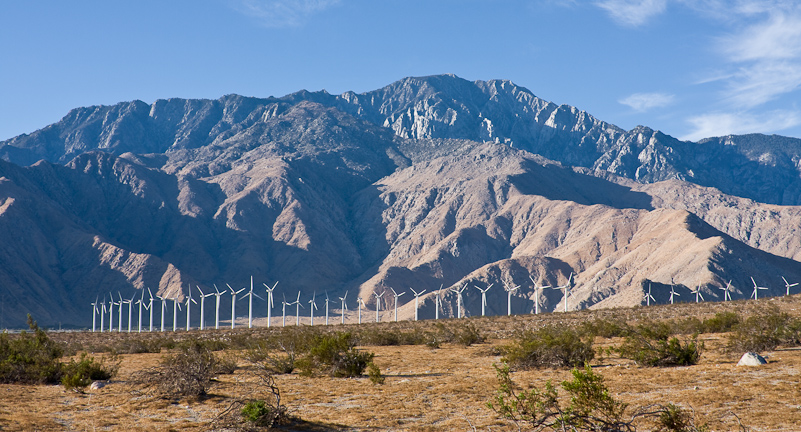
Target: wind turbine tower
(344,308)
(377,304)
(233,304)
(270,302)
(416,299)
(756,289)
(250,296)
(203,306)
(788,285)
(396,301)
(217,307)
(726,292)
(484,297)
(94,315)
(459,292)
(507,285)
(649,297)
(537,291)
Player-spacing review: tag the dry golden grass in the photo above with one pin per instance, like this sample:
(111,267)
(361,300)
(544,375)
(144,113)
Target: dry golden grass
(436,389)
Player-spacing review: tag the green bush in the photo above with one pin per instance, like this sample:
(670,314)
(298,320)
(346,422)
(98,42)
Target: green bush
(30,358)
(549,346)
(265,358)
(763,332)
(673,418)
(654,345)
(606,328)
(722,322)
(463,333)
(334,355)
(375,374)
(78,375)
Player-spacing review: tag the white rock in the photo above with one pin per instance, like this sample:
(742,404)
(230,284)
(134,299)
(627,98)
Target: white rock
(97,385)
(751,359)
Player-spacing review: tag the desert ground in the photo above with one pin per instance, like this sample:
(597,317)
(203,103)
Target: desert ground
(428,389)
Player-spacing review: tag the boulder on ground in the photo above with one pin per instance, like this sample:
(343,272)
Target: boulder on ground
(751,359)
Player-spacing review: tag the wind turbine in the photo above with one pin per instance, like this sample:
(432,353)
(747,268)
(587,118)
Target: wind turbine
(175,308)
(233,304)
(130,306)
(360,303)
(312,307)
(111,305)
(483,297)
(437,302)
(788,285)
(673,293)
(269,302)
(566,289)
(297,310)
(416,298)
(217,307)
(202,306)
(459,292)
(537,294)
(283,308)
(251,294)
(755,294)
(326,307)
(150,308)
(119,315)
(396,301)
(509,290)
(726,292)
(102,313)
(94,314)
(343,309)
(163,309)
(698,294)
(140,302)
(377,304)
(189,301)
(649,297)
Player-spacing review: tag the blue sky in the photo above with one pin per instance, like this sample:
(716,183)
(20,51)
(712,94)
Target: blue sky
(690,68)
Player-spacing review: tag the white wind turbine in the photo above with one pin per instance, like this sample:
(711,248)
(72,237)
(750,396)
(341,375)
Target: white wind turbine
(377,304)
(698,294)
(755,294)
(233,304)
(673,293)
(283,309)
(140,302)
(416,299)
(270,302)
(175,308)
(537,290)
(360,303)
(726,292)
(326,307)
(297,310)
(788,285)
(217,307)
(566,289)
(649,297)
(250,296)
(111,305)
(102,313)
(396,301)
(130,306)
(483,297)
(438,302)
(202,306)
(459,292)
(163,309)
(343,309)
(507,285)
(189,301)
(94,315)
(149,307)
(312,307)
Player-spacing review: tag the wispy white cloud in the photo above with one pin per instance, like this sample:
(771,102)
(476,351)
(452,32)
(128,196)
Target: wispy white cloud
(283,13)
(646,101)
(632,12)
(721,124)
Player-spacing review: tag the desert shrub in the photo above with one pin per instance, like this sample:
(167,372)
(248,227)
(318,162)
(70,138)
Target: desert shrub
(763,332)
(30,357)
(606,328)
(186,373)
(691,325)
(263,412)
(78,375)
(390,337)
(722,322)
(549,346)
(334,355)
(375,374)
(654,345)
(266,359)
(461,332)
(588,406)
(226,364)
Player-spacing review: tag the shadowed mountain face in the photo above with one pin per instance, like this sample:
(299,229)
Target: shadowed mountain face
(427,182)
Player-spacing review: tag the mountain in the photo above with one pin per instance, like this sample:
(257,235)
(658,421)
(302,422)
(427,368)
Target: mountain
(428,182)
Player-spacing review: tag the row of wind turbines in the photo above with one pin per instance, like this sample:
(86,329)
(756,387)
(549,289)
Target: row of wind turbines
(100,309)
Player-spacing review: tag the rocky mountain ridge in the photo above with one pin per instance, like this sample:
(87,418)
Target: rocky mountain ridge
(428,182)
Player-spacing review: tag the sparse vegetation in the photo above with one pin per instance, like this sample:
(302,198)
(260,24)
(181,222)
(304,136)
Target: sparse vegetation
(78,375)
(31,357)
(653,344)
(186,373)
(549,346)
(334,355)
(763,332)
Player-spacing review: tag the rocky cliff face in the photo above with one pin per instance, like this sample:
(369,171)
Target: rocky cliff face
(427,182)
